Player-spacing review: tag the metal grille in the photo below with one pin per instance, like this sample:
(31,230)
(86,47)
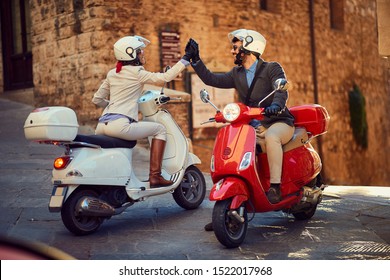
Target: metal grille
(365,247)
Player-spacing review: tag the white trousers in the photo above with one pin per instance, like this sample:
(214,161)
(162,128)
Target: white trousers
(123,129)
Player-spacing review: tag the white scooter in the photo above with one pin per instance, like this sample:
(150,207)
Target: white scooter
(94,179)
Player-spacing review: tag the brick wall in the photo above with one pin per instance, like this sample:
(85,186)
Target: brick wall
(72,51)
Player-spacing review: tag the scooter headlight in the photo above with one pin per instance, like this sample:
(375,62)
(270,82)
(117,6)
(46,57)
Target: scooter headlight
(231,112)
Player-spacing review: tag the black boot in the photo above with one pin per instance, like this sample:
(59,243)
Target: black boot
(273,194)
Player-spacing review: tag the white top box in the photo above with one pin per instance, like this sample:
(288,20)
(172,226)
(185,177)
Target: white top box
(51,124)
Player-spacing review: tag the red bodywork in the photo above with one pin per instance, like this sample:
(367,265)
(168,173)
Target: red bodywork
(300,165)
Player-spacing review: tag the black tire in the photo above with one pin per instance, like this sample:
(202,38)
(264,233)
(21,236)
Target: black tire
(309,212)
(192,189)
(306,214)
(228,230)
(73,221)
(312,183)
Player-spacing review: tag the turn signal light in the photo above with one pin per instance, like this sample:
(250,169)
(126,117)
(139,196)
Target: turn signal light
(62,162)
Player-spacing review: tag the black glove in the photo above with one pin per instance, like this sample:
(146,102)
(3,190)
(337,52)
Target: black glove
(272,110)
(195,47)
(189,51)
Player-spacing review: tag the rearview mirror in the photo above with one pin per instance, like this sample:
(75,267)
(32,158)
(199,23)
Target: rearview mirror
(281,84)
(204,96)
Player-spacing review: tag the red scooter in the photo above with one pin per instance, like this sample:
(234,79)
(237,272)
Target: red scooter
(240,171)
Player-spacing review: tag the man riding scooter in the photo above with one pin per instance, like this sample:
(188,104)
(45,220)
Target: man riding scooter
(253,78)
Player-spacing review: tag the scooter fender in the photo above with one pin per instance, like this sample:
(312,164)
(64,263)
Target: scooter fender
(193,160)
(230,187)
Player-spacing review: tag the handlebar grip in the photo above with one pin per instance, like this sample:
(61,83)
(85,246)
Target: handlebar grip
(164,99)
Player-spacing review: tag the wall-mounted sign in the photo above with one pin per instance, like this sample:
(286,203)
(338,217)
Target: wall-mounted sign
(170,49)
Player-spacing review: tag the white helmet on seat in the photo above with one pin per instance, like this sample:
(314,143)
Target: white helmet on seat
(251,40)
(125,49)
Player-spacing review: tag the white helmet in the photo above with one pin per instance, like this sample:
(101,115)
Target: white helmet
(251,40)
(125,49)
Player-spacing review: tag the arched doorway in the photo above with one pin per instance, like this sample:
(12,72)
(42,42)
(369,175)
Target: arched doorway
(16,44)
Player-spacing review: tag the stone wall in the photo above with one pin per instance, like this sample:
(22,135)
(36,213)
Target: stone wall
(72,52)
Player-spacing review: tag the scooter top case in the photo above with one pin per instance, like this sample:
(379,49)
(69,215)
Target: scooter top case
(55,123)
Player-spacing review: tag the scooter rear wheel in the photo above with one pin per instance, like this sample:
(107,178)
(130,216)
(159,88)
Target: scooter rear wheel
(229,231)
(306,214)
(74,221)
(192,189)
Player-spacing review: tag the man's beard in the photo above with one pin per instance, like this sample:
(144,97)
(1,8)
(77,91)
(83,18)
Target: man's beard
(238,59)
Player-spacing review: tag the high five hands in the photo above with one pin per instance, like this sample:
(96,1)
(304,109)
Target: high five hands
(191,51)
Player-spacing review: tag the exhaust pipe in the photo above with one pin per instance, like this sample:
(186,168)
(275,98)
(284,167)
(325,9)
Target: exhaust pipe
(313,196)
(91,206)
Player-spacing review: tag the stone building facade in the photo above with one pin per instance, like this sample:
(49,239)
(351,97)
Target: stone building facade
(325,47)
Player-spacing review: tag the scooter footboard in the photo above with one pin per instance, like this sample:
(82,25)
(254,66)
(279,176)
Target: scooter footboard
(230,187)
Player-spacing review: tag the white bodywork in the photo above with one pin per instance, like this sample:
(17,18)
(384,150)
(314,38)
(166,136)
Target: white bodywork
(113,167)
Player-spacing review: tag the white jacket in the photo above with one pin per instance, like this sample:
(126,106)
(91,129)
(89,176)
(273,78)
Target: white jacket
(120,92)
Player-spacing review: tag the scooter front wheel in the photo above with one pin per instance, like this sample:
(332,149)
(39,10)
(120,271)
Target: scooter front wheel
(74,221)
(229,231)
(192,189)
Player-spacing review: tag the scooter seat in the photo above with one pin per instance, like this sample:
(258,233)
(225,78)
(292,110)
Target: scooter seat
(103,141)
(299,138)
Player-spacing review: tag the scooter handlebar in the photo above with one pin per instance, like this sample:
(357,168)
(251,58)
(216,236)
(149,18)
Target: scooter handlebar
(164,99)
(246,115)
(219,117)
(209,121)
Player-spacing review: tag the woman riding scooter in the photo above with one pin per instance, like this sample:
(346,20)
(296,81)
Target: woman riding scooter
(123,86)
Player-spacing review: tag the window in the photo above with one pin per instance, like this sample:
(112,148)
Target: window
(272,6)
(336,12)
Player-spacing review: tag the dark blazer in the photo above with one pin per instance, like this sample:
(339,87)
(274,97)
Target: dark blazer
(236,78)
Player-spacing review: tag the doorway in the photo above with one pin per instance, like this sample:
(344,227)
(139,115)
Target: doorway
(16,44)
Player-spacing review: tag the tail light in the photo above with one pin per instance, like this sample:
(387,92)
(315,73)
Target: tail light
(62,162)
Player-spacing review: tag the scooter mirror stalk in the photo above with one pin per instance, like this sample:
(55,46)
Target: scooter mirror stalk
(165,84)
(279,84)
(205,97)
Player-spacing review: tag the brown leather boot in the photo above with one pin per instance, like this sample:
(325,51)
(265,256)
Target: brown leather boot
(156,157)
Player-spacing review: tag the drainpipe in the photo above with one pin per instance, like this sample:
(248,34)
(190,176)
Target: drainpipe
(314,73)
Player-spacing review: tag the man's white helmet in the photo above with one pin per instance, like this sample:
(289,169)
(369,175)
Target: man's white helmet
(251,40)
(125,49)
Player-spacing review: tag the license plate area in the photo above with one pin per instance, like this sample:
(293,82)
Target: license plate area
(57,198)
